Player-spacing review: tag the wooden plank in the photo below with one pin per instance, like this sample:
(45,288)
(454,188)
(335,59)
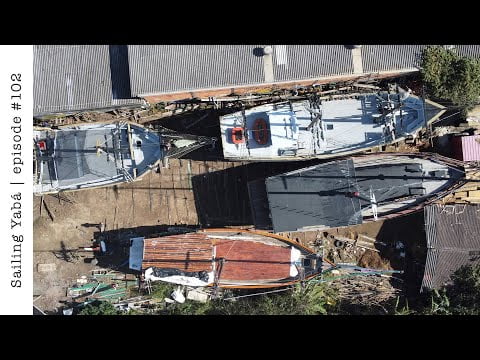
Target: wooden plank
(129,132)
(471,199)
(475,193)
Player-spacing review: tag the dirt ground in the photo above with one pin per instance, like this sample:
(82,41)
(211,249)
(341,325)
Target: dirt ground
(397,244)
(160,198)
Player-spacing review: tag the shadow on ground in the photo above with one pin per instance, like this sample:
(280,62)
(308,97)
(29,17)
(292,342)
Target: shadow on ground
(406,249)
(221,197)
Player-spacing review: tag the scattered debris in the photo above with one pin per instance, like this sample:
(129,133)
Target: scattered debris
(46,267)
(177,295)
(103,285)
(197,295)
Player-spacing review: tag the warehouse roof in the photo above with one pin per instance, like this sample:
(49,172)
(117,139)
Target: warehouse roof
(162,69)
(69,78)
(170,68)
(453,240)
(391,57)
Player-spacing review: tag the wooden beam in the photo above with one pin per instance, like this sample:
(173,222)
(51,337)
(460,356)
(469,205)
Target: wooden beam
(131,150)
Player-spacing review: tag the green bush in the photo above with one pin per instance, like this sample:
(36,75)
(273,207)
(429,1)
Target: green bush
(313,299)
(462,297)
(99,308)
(449,76)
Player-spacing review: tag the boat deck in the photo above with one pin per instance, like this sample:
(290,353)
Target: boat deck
(347,125)
(95,155)
(345,192)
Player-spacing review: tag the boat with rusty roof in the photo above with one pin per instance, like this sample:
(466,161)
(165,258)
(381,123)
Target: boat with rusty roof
(224,258)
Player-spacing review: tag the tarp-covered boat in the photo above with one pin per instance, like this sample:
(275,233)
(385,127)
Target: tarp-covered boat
(225,258)
(352,190)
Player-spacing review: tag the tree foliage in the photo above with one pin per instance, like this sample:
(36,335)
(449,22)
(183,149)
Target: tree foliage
(99,308)
(464,294)
(313,299)
(461,297)
(450,76)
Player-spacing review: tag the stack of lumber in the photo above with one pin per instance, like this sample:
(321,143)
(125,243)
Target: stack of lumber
(469,193)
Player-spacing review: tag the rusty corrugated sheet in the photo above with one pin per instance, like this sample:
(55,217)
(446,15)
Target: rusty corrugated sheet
(187,252)
(244,259)
(250,260)
(456,143)
(471,148)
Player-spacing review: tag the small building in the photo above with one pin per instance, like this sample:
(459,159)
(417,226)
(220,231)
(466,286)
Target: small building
(466,148)
(453,240)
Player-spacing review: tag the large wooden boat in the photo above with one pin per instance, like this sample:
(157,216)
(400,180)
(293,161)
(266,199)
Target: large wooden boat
(225,258)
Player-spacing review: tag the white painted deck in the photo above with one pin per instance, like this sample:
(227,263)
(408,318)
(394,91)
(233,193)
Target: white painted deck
(92,162)
(346,126)
(432,186)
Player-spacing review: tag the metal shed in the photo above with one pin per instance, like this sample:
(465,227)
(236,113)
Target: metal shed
(466,148)
(453,240)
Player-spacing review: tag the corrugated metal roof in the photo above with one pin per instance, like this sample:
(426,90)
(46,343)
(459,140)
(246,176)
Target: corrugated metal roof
(187,252)
(453,240)
(252,260)
(468,50)
(296,62)
(391,57)
(471,148)
(87,77)
(75,78)
(170,68)
(397,57)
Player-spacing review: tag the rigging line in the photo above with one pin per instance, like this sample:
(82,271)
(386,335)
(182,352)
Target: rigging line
(256,294)
(390,188)
(440,119)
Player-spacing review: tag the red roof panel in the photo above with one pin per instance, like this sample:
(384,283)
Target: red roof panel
(471,148)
